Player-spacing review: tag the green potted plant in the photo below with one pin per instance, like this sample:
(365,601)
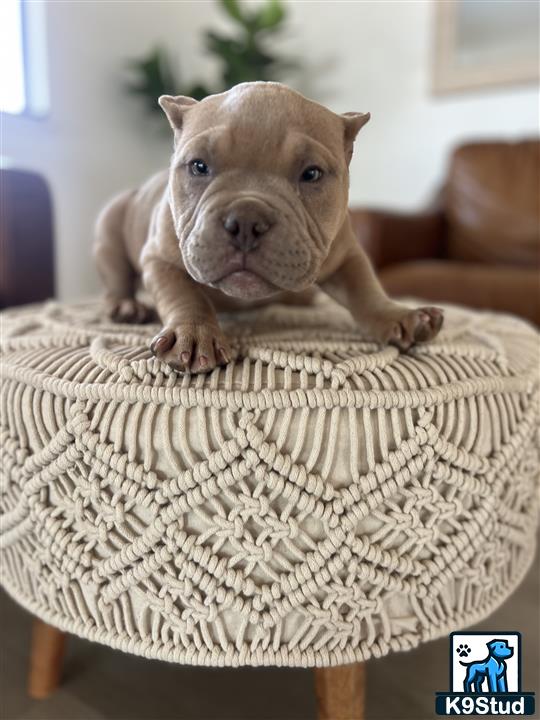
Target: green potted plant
(244,56)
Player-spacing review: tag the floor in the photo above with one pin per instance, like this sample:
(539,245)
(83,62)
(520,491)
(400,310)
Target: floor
(103,683)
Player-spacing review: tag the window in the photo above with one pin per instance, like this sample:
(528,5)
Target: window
(23,67)
(12,84)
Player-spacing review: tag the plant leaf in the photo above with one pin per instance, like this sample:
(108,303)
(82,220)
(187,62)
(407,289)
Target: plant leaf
(272,15)
(152,77)
(232,8)
(198,91)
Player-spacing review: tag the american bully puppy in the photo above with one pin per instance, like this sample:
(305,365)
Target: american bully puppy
(252,210)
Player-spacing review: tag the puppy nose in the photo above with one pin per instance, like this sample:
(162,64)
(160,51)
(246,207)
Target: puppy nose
(246,225)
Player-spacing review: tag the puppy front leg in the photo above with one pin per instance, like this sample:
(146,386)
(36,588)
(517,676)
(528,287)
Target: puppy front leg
(191,339)
(114,267)
(355,285)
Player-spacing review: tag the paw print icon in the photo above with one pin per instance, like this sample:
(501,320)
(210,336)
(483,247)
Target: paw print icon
(463,650)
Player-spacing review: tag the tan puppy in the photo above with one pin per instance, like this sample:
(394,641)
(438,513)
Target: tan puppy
(254,209)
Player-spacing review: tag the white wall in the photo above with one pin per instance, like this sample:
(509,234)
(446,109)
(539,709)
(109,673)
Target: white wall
(359,55)
(96,139)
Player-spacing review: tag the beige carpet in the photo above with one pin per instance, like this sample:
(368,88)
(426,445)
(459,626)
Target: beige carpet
(104,683)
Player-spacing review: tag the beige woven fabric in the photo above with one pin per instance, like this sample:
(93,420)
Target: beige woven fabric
(318,502)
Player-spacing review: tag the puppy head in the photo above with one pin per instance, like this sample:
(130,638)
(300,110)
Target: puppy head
(258,186)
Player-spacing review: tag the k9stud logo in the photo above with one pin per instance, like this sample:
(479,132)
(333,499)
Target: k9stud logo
(485,676)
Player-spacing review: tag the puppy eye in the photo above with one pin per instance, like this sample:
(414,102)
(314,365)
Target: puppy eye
(199,167)
(311,174)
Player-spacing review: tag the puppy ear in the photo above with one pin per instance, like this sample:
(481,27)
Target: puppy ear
(353,123)
(174,108)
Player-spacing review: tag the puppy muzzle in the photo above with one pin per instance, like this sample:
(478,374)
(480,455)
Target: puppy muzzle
(249,247)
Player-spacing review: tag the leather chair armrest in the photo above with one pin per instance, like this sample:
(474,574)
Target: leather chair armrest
(392,237)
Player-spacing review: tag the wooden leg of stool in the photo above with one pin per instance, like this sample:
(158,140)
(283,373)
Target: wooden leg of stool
(340,692)
(46,656)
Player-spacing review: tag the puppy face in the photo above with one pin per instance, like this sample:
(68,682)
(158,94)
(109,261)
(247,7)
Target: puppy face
(258,186)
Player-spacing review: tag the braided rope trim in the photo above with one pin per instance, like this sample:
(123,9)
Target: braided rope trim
(265,399)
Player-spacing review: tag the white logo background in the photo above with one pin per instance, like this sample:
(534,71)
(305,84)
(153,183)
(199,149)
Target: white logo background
(479,651)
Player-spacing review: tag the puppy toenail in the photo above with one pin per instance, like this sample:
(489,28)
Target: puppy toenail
(159,343)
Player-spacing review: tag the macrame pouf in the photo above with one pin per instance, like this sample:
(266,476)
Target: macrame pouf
(318,502)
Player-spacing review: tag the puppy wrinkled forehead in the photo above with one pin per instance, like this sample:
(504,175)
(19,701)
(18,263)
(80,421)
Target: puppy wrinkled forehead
(269,110)
(259,97)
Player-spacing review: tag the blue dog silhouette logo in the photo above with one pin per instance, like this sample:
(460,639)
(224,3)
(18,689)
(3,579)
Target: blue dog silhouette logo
(485,676)
(491,669)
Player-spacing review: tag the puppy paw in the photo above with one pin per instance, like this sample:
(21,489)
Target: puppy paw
(191,348)
(409,327)
(130,310)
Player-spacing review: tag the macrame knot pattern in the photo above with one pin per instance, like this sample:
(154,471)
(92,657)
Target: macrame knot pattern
(319,501)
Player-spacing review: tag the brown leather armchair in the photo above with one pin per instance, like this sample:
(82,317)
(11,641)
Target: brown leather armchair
(26,238)
(478,245)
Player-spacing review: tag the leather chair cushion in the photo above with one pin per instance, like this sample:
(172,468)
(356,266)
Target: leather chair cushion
(505,289)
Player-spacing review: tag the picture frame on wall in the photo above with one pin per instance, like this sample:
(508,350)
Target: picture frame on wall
(485,43)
